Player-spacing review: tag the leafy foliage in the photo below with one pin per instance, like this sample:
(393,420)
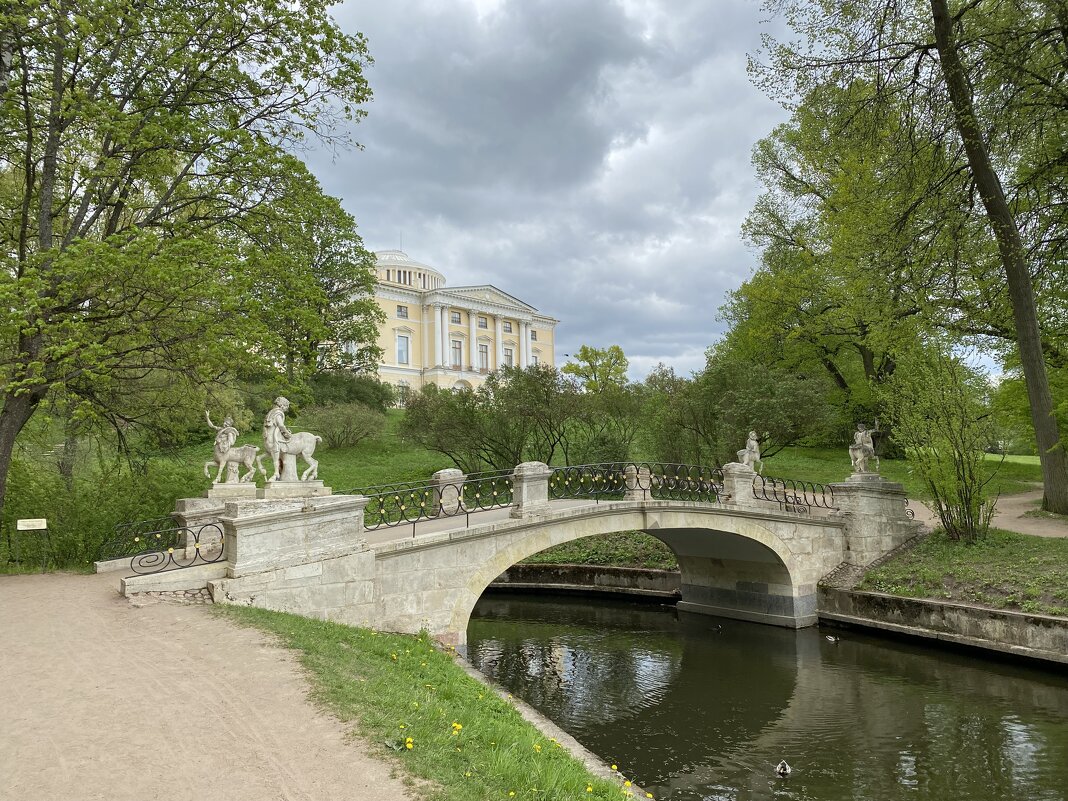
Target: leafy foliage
(707,419)
(514,416)
(343,425)
(145,175)
(940,415)
(598,368)
(961,180)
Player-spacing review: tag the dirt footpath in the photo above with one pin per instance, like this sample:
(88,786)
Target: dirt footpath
(102,700)
(1009,514)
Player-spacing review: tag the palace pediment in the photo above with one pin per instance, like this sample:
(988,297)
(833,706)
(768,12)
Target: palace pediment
(487,293)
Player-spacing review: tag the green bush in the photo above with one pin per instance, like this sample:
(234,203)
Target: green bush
(343,425)
(343,387)
(83,515)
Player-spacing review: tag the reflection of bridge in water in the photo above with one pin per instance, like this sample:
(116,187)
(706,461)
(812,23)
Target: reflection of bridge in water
(406,557)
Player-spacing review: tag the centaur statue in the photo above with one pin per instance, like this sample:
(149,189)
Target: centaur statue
(229,457)
(280,442)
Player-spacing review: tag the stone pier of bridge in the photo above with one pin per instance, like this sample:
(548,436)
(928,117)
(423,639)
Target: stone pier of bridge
(742,556)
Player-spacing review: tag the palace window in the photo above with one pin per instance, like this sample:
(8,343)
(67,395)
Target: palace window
(533,335)
(507,326)
(402,349)
(483,322)
(454,317)
(402,312)
(534,360)
(457,354)
(509,357)
(483,357)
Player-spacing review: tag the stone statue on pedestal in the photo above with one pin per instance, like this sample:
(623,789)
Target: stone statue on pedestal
(229,457)
(863,449)
(751,455)
(284,445)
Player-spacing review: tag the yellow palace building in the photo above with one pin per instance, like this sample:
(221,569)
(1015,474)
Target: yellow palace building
(452,336)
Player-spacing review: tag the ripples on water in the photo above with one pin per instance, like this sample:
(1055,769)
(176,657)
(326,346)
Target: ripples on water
(693,707)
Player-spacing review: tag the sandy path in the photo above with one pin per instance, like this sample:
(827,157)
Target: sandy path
(1009,515)
(102,700)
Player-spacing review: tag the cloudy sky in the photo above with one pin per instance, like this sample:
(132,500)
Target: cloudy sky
(588,156)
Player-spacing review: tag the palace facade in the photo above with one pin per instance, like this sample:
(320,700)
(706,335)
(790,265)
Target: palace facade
(452,336)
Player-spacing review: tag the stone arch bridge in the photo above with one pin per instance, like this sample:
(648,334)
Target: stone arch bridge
(411,557)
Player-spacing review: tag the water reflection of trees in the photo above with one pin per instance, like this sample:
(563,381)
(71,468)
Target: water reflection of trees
(696,712)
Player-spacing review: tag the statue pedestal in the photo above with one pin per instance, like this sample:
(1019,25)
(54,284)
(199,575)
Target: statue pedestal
(275,490)
(289,468)
(232,490)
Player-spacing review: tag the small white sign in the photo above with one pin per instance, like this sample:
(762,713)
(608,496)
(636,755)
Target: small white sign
(31,524)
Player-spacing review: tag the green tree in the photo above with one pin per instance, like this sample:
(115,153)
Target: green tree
(941,416)
(706,420)
(598,368)
(515,416)
(315,280)
(134,137)
(983,82)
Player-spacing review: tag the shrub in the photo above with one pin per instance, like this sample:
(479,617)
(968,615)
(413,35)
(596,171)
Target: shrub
(343,387)
(343,425)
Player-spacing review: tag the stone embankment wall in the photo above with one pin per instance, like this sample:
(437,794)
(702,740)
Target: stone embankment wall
(592,578)
(1036,636)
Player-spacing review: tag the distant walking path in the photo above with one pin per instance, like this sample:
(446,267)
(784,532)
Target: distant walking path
(103,700)
(1009,515)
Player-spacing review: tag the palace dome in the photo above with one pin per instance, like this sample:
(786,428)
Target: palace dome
(395,267)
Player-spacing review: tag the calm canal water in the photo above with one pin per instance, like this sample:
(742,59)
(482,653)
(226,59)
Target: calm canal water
(692,707)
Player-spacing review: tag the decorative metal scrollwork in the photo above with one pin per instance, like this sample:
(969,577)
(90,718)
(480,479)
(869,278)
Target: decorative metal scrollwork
(796,497)
(391,505)
(644,480)
(128,539)
(909,512)
(174,548)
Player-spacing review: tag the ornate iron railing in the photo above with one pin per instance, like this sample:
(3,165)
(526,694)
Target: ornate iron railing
(175,548)
(644,480)
(795,497)
(910,513)
(129,539)
(392,505)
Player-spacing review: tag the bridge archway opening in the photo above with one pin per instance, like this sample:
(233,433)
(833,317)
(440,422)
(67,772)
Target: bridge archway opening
(745,573)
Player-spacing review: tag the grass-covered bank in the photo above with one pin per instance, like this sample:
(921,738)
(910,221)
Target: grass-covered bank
(1004,570)
(453,736)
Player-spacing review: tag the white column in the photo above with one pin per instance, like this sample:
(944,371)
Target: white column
(443,334)
(498,331)
(472,346)
(524,344)
(424,353)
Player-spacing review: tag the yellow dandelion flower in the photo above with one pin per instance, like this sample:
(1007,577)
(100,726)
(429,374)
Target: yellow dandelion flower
(589,789)
(403,726)
(537,748)
(648,795)
(511,793)
(409,746)
(614,767)
(626,783)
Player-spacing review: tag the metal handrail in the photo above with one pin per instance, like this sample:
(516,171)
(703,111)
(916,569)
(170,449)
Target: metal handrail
(392,505)
(176,545)
(656,480)
(128,539)
(793,495)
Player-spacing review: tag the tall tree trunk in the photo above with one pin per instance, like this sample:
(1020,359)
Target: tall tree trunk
(1051,452)
(18,409)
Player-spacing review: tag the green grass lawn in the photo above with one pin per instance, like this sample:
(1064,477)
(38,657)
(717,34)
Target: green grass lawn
(831,465)
(1005,570)
(455,738)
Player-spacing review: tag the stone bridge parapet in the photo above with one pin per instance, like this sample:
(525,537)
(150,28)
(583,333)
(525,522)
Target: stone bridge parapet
(742,553)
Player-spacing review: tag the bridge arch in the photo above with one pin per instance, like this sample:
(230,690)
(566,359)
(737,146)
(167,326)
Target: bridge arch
(730,564)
